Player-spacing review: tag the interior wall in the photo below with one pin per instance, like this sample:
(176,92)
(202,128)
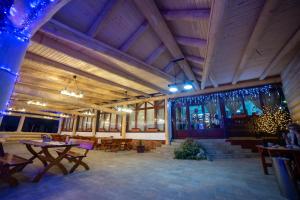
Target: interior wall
(290,85)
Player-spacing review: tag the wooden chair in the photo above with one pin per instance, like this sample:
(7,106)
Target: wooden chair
(76,157)
(9,165)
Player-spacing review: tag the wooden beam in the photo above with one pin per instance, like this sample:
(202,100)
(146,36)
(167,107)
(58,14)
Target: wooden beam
(195,59)
(23,89)
(252,83)
(134,36)
(157,22)
(213,80)
(103,52)
(188,15)
(95,27)
(215,26)
(261,24)
(155,54)
(31,116)
(73,70)
(192,42)
(291,44)
(197,71)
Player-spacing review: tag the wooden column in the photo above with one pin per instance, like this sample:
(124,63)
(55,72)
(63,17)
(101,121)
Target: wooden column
(124,122)
(60,125)
(1,118)
(75,125)
(167,119)
(94,125)
(21,123)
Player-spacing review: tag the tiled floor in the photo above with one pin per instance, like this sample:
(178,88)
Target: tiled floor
(128,175)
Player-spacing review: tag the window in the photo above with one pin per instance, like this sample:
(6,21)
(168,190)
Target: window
(271,98)
(68,124)
(109,122)
(196,117)
(85,123)
(212,114)
(252,104)
(147,117)
(181,120)
(234,107)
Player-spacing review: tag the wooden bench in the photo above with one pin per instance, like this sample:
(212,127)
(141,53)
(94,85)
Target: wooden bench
(76,157)
(9,165)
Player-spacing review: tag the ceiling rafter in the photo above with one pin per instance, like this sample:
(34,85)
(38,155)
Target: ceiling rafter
(288,46)
(107,53)
(213,80)
(134,36)
(95,27)
(23,89)
(155,54)
(157,22)
(61,66)
(216,19)
(261,24)
(195,59)
(193,42)
(189,15)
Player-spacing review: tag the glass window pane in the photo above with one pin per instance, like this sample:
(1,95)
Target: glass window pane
(253,105)
(233,107)
(271,98)
(160,119)
(101,121)
(113,121)
(131,121)
(212,114)
(181,119)
(119,124)
(150,118)
(196,117)
(141,120)
(106,121)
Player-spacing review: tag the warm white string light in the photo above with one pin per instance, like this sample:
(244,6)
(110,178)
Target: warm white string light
(88,113)
(127,110)
(71,93)
(37,103)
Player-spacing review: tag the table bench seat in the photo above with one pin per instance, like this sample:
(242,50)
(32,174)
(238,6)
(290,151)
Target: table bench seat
(13,160)
(71,153)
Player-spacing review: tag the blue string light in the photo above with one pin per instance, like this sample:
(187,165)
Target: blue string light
(8,70)
(34,9)
(227,95)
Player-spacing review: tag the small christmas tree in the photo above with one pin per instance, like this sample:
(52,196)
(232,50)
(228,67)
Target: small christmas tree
(274,120)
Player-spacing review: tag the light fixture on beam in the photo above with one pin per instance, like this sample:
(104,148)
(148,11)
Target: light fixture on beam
(37,103)
(173,88)
(187,85)
(126,110)
(88,113)
(64,116)
(72,93)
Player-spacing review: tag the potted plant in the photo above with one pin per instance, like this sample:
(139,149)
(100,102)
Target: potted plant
(140,147)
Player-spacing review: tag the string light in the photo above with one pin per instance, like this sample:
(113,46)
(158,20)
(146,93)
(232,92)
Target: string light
(71,93)
(37,103)
(88,113)
(126,110)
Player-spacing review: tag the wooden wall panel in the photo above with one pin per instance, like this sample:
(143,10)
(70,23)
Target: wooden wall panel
(290,82)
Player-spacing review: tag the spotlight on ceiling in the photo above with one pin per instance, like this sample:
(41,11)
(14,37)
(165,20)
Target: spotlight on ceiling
(173,88)
(188,86)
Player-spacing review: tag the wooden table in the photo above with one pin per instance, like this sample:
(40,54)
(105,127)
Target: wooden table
(45,157)
(292,154)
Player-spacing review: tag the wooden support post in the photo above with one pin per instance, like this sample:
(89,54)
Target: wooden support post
(94,124)
(21,123)
(60,125)
(75,125)
(167,128)
(124,122)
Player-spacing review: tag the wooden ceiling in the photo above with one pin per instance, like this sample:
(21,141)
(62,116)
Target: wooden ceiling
(121,49)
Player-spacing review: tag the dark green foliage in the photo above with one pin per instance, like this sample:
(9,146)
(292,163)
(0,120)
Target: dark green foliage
(190,150)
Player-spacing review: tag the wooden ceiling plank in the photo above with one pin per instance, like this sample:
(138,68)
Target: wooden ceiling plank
(215,26)
(134,36)
(189,15)
(288,46)
(79,72)
(79,40)
(157,22)
(95,27)
(155,54)
(23,89)
(260,27)
(193,42)
(195,59)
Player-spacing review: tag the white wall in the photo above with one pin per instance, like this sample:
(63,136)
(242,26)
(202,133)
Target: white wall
(87,134)
(108,134)
(146,136)
(66,133)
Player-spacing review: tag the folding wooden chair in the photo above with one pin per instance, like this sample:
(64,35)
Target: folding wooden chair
(76,157)
(10,164)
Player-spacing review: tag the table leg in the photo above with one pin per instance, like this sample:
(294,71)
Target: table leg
(52,162)
(36,155)
(263,163)
(6,175)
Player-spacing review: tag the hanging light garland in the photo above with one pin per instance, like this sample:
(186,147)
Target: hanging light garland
(37,103)
(123,109)
(88,113)
(77,94)
(254,92)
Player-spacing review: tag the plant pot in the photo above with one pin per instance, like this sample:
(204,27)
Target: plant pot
(140,149)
